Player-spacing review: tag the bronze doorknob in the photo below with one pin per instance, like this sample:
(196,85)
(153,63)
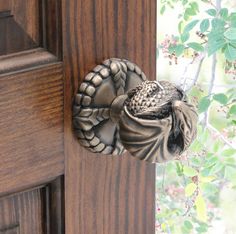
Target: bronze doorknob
(117,109)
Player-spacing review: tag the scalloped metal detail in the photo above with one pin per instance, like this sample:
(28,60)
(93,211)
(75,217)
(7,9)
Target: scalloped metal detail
(92,120)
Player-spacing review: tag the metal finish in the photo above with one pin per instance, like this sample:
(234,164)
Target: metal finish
(117,109)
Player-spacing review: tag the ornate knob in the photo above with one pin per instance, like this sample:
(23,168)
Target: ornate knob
(117,109)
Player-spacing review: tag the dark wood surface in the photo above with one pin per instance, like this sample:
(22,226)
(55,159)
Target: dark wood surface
(20,29)
(53,203)
(28,24)
(22,213)
(50,26)
(25,60)
(106,194)
(31,113)
(36,211)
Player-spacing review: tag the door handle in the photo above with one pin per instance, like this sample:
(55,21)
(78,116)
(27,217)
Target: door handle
(117,109)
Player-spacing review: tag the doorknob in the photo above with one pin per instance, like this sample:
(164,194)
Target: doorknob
(117,109)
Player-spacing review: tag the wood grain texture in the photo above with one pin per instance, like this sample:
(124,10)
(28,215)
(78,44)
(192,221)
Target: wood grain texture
(22,213)
(106,194)
(36,211)
(5,5)
(54,207)
(26,14)
(20,31)
(50,26)
(31,113)
(26,59)
(27,24)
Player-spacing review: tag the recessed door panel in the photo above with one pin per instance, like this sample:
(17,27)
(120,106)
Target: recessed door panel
(37,211)
(28,24)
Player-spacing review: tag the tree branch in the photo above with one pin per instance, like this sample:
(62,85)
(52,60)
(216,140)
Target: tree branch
(213,76)
(210,127)
(213,72)
(195,79)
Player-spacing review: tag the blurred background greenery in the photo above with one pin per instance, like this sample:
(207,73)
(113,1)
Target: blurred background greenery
(197,51)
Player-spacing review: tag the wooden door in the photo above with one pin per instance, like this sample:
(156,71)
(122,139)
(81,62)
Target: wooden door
(48,182)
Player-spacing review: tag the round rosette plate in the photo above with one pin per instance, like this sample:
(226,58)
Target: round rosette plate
(94,125)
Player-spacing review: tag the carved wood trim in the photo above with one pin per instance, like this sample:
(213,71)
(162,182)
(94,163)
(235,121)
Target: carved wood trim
(26,59)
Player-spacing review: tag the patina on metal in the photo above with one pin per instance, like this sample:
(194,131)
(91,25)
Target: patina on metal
(117,109)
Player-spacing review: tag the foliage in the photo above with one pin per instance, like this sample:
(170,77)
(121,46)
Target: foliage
(216,32)
(188,189)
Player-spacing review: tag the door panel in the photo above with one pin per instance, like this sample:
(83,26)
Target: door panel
(18,210)
(34,212)
(19,25)
(28,24)
(31,113)
(106,194)
(31,118)
(103,194)
(31,101)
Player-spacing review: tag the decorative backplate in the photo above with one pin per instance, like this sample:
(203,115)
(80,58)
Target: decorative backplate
(95,106)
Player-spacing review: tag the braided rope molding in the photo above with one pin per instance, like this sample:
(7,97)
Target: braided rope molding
(86,117)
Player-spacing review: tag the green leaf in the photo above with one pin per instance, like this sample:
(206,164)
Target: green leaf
(179,49)
(232,110)
(184,37)
(171,49)
(189,171)
(232,94)
(201,229)
(230,173)
(190,11)
(196,146)
(215,35)
(233,20)
(211,12)
(214,46)
(224,13)
(185,230)
(180,26)
(179,169)
(186,16)
(204,104)
(163,226)
(205,172)
(206,179)
(196,162)
(188,224)
(205,24)
(190,26)
(216,168)
(194,6)
(196,46)
(221,98)
(212,161)
(228,153)
(208,188)
(217,146)
(230,53)
(190,189)
(201,208)
(230,161)
(218,24)
(163,8)
(230,34)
